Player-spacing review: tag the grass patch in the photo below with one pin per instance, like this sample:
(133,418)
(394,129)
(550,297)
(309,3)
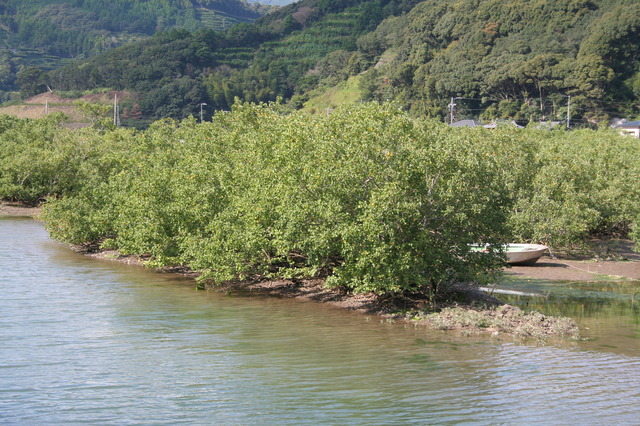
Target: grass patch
(346,93)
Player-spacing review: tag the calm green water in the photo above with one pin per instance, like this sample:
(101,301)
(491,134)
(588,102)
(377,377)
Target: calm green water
(85,341)
(608,312)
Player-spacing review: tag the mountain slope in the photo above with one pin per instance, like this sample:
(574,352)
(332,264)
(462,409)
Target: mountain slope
(48,33)
(519,60)
(273,2)
(275,57)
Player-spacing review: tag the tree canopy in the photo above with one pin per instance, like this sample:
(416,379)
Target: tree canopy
(48,33)
(366,197)
(520,60)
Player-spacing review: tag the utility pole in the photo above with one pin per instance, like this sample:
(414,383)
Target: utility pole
(452,107)
(116,116)
(568,111)
(201,105)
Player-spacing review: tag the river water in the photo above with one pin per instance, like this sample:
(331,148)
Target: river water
(96,342)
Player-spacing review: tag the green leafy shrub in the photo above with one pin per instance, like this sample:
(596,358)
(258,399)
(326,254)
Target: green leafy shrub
(365,197)
(584,184)
(37,159)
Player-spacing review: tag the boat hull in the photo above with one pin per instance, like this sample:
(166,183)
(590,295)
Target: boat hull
(518,254)
(524,254)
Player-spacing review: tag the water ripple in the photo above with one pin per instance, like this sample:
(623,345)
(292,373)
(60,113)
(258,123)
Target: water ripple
(83,341)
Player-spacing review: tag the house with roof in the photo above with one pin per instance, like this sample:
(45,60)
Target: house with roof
(466,123)
(500,123)
(630,128)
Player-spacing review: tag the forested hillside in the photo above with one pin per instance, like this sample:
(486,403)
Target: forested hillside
(273,2)
(48,33)
(519,59)
(278,56)
(524,60)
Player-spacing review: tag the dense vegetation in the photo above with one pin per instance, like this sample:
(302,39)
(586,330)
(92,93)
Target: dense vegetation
(365,196)
(517,59)
(48,33)
(520,60)
(176,71)
(273,2)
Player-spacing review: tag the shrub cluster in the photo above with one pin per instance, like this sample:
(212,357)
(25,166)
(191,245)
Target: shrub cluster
(365,196)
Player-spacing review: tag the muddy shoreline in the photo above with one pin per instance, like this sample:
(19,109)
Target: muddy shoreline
(465,309)
(599,260)
(8,208)
(605,259)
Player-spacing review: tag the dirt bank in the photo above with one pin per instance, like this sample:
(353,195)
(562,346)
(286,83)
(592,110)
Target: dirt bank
(465,309)
(314,290)
(613,260)
(571,270)
(605,260)
(8,208)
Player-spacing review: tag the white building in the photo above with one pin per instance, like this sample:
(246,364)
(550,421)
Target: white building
(630,128)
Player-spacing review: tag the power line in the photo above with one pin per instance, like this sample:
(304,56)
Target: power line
(545,99)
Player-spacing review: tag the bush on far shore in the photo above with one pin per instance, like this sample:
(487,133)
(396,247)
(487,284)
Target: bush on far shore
(365,197)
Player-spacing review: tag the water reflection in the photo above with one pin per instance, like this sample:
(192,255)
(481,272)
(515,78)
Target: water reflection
(608,312)
(85,341)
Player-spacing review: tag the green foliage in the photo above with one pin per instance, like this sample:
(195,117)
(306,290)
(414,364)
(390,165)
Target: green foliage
(97,114)
(365,196)
(35,159)
(586,183)
(39,159)
(360,200)
(514,53)
(255,62)
(515,60)
(48,33)
(31,81)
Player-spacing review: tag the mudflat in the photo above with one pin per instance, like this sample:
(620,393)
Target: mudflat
(8,208)
(607,260)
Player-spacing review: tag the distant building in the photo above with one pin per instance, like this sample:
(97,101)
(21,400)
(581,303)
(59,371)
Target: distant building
(548,125)
(499,123)
(630,128)
(466,123)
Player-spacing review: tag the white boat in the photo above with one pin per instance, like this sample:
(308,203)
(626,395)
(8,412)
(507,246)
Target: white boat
(519,254)
(524,254)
